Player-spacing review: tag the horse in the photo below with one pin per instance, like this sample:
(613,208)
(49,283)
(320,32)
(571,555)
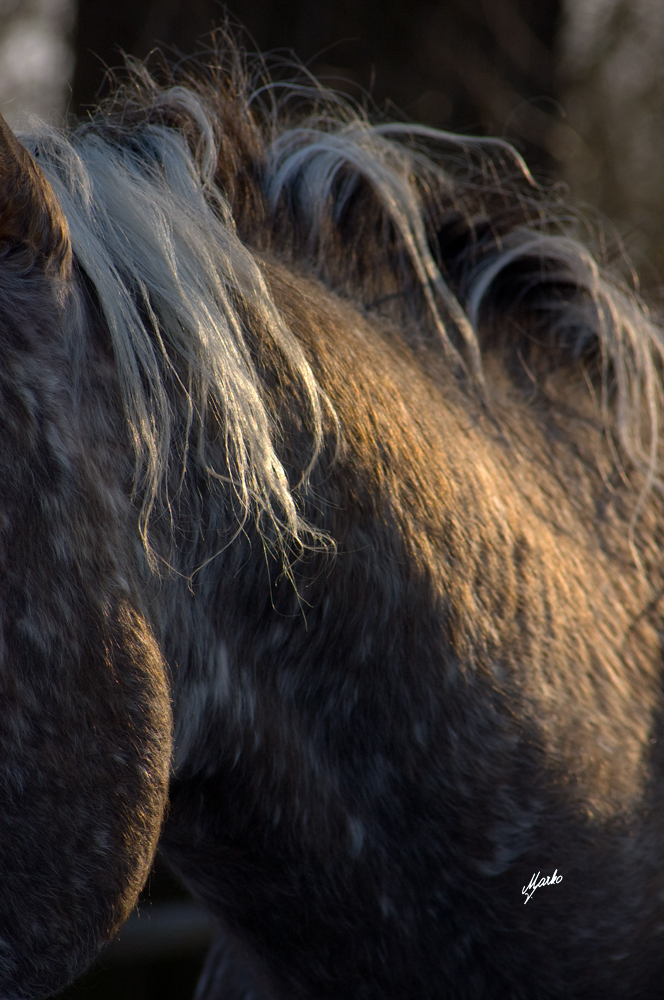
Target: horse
(331,523)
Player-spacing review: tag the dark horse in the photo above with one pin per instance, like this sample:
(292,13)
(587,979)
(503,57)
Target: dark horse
(331,525)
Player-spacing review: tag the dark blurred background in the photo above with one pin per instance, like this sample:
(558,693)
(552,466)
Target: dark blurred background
(577,85)
(483,65)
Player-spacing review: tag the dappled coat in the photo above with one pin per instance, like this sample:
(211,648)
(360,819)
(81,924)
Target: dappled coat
(330,533)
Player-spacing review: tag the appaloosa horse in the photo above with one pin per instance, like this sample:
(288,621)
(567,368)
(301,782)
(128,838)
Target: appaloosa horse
(331,532)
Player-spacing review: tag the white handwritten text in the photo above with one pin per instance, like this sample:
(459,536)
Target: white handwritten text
(536,882)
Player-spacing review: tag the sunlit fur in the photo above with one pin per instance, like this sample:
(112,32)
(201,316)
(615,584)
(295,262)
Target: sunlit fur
(358,452)
(179,288)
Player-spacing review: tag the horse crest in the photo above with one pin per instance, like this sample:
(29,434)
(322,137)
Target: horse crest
(330,534)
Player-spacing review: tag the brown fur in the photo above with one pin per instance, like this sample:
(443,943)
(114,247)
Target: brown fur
(471,681)
(376,744)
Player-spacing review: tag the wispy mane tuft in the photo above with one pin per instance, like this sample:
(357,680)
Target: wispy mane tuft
(177,288)
(172,187)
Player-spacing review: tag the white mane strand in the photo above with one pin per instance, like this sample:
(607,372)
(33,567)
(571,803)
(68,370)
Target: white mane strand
(176,287)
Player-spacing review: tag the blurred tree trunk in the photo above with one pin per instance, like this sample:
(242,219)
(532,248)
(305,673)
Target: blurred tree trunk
(611,76)
(36,58)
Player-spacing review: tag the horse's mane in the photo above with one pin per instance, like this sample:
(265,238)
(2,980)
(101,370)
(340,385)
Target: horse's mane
(177,184)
